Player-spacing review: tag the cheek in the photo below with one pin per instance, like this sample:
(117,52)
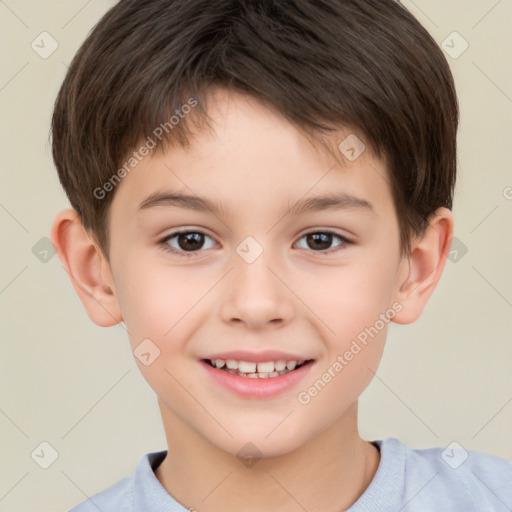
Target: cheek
(344,374)
(347,299)
(155,300)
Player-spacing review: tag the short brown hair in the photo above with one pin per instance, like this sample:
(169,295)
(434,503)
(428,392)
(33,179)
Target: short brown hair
(324,64)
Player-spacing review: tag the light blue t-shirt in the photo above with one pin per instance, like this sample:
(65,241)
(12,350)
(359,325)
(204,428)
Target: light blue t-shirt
(407,480)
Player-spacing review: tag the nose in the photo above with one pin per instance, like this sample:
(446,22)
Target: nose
(256,295)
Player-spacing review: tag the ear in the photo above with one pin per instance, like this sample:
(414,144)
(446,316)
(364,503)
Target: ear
(87,268)
(420,272)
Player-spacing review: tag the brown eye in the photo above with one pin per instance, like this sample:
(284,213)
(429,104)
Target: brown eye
(321,241)
(183,242)
(190,241)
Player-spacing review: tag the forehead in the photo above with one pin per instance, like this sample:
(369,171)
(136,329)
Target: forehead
(254,156)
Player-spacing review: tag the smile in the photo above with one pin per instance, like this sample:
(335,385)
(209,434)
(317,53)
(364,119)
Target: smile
(245,378)
(252,370)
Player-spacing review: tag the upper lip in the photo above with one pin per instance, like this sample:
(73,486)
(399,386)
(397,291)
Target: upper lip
(258,357)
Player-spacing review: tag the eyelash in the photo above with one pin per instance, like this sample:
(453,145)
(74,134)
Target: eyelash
(167,248)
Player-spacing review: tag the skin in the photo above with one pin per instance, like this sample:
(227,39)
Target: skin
(292,298)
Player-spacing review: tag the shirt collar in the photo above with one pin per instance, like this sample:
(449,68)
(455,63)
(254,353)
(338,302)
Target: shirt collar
(149,494)
(386,490)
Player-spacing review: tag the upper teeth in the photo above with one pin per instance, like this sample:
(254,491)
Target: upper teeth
(250,367)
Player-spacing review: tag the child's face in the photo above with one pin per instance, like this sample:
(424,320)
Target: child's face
(292,298)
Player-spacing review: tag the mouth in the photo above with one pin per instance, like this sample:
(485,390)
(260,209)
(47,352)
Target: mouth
(260,370)
(257,376)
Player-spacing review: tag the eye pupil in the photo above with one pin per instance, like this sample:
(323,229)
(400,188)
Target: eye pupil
(324,239)
(196,238)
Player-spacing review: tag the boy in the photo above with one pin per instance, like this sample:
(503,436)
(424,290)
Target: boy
(308,149)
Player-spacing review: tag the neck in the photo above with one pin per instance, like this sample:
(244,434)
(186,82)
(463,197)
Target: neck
(328,473)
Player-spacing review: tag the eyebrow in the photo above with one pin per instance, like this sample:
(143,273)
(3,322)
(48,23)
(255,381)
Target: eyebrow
(332,201)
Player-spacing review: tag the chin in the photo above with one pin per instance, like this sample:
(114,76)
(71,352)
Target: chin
(258,444)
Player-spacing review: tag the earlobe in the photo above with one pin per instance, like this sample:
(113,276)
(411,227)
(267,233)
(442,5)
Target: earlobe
(87,268)
(423,268)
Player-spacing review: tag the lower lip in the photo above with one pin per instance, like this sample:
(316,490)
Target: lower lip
(257,388)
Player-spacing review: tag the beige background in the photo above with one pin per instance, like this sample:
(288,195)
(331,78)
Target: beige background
(76,386)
